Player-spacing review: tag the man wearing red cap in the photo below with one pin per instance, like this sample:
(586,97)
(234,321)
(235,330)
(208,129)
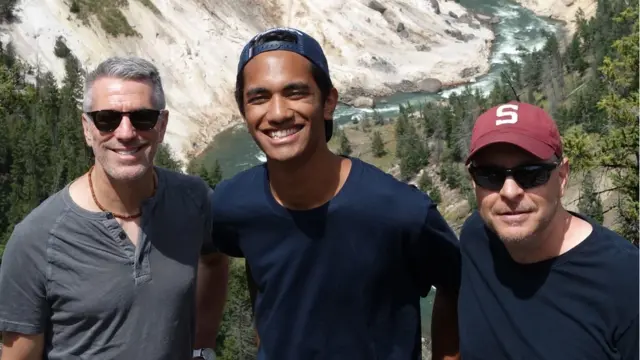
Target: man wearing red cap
(538,281)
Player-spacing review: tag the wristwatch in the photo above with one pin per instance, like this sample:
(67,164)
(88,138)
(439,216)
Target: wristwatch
(204,354)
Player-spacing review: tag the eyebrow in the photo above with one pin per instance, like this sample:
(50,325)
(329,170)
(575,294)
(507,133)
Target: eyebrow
(297,86)
(300,86)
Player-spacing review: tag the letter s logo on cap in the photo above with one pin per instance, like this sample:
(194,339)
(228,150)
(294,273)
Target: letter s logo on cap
(507,110)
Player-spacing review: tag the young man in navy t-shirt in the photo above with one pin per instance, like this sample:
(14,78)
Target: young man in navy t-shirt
(538,281)
(340,252)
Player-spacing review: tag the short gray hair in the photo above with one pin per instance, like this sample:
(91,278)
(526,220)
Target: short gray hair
(129,68)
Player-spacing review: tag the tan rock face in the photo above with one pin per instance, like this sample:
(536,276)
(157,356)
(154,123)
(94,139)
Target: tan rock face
(196,44)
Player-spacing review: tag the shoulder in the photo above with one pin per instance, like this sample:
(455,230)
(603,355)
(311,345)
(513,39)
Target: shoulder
(244,185)
(616,251)
(174,179)
(621,255)
(384,187)
(472,226)
(613,260)
(375,191)
(192,187)
(30,236)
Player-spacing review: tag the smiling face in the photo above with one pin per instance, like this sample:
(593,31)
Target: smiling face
(513,213)
(283,105)
(126,153)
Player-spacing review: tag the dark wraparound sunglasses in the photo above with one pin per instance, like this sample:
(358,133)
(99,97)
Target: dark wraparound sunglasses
(109,120)
(527,176)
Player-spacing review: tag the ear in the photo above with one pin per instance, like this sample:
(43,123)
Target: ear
(162,124)
(473,183)
(563,173)
(331,103)
(87,126)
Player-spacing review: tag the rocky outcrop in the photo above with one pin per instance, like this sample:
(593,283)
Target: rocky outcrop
(486,19)
(363,102)
(436,6)
(373,4)
(459,35)
(430,85)
(469,72)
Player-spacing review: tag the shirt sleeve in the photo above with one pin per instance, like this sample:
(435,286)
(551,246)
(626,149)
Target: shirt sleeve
(208,246)
(627,344)
(224,236)
(436,254)
(23,299)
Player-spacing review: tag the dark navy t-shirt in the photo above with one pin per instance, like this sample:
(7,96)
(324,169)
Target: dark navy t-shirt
(581,305)
(342,281)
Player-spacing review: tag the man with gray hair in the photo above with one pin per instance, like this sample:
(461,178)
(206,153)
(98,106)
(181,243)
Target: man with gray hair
(107,267)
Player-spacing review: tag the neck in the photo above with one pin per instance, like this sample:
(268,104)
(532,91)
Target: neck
(554,240)
(307,183)
(122,197)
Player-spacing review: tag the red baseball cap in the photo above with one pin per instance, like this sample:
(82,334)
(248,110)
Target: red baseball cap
(524,125)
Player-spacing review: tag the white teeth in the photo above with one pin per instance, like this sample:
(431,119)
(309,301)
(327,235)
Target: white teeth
(127,152)
(277,134)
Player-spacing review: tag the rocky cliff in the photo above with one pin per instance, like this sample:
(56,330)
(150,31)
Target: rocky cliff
(563,10)
(373,47)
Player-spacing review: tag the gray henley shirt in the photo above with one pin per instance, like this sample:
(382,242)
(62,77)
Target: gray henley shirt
(74,275)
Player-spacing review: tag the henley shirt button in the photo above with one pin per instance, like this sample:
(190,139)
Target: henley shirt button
(123,235)
(109,216)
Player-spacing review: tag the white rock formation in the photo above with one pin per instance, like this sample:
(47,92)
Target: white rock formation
(196,43)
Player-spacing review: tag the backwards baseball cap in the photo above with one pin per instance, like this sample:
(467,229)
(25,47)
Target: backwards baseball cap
(287,39)
(524,125)
(290,40)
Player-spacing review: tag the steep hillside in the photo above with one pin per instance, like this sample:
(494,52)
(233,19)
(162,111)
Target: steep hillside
(373,49)
(563,10)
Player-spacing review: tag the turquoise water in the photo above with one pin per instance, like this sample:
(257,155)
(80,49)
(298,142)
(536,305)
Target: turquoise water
(236,151)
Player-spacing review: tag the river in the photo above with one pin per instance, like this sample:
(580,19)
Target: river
(236,151)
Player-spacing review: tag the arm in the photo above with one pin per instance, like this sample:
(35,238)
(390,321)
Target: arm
(211,295)
(24,310)
(444,326)
(17,346)
(252,295)
(438,261)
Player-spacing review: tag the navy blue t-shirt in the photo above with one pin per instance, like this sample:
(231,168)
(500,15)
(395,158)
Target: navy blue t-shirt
(581,305)
(342,281)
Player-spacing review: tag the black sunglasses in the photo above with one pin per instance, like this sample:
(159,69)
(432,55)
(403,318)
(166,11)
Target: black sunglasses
(527,176)
(109,120)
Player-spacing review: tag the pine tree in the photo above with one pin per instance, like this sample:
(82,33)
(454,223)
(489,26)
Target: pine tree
(235,340)
(415,154)
(345,145)
(378,120)
(165,158)
(216,173)
(425,184)
(589,203)
(616,150)
(402,123)
(377,145)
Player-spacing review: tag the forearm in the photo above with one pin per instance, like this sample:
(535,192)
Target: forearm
(445,340)
(211,296)
(21,347)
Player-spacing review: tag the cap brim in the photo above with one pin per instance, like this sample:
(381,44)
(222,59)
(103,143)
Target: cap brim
(535,147)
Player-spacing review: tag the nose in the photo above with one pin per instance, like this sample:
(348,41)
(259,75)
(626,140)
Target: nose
(510,189)
(125,130)
(279,110)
